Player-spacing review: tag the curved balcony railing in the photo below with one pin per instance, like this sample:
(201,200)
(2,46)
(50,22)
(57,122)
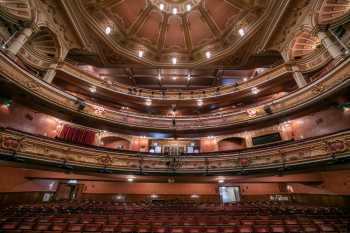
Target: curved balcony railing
(316,60)
(15,145)
(331,82)
(204,93)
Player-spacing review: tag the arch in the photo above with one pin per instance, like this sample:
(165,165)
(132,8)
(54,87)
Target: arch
(332,11)
(232,143)
(115,142)
(303,44)
(42,49)
(14,10)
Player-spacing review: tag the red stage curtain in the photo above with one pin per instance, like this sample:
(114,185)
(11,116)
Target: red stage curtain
(76,135)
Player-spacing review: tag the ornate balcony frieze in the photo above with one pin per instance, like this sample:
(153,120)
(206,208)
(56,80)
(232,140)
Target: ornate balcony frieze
(37,149)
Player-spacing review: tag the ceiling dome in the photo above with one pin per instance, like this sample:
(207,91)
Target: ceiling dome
(157,31)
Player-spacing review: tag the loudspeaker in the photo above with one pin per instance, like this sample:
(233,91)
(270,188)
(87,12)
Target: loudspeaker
(268,109)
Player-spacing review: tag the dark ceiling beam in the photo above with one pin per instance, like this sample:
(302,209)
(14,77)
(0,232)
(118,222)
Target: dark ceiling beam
(211,23)
(140,20)
(163,27)
(187,33)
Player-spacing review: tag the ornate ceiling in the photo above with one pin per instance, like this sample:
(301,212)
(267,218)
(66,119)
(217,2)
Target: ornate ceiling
(177,32)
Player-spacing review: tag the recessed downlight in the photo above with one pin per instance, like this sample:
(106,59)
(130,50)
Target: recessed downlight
(108,30)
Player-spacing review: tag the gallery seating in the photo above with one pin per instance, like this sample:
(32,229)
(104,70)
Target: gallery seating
(91,216)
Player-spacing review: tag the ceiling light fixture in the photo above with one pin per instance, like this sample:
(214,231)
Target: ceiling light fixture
(148,102)
(108,30)
(161,6)
(199,102)
(255,90)
(141,53)
(241,32)
(208,54)
(189,77)
(188,7)
(130,180)
(174,11)
(92,89)
(174,60)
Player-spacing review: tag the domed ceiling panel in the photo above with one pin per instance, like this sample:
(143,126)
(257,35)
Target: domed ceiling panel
(128,11)
(222,12)
(175,37)
(150,32)
(199,30)
(184,29)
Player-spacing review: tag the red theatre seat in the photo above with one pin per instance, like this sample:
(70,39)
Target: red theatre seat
(75,227)
(9,225)
(91,227)
(59,226)
(42,226)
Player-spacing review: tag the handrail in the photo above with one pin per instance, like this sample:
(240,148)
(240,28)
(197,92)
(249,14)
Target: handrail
(174,95)
(322,149)
(324,86)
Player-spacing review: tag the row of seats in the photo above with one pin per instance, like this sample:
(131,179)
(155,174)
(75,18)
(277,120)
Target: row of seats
(91,216)
(65,227)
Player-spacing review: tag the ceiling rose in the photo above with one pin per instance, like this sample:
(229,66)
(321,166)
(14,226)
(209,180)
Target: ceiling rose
(181,6)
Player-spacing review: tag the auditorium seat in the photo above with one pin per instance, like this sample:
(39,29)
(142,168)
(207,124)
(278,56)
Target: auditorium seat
(91,227)
(74,227)
(293,228)
(327,228)
(310,228)
(59,226)
(9,225)
(26,226)
(42,226)
(277,229)
(245,229)
(261,229)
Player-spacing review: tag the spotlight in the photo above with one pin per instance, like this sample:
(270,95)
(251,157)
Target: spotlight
(108,30)
(199,102)
(174,60)
(174,77)
(255,90)
(221,181)
(174,11)
(189,77)
(208,54)
(241,32)
(130,180)
(92,89)
(188,7)
(148,102)
(159,77)
(141,53)
(161,6)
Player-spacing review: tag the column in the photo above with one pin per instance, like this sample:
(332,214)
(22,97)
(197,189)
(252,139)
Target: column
(298,77)
(50,73)
(19,41)
(331,47)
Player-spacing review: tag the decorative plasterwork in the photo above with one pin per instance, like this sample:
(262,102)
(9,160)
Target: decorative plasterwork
(129,36)
(181,6)
(15,10)
(36,149)
(332,82)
